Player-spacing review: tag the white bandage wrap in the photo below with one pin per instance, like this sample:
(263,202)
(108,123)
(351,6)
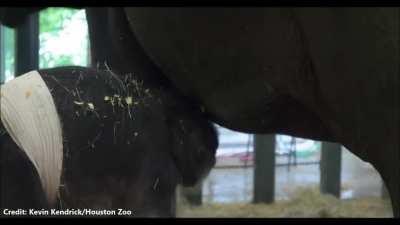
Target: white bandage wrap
(29,115)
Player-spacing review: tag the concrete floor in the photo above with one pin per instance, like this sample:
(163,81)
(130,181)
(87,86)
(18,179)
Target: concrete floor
(228,185)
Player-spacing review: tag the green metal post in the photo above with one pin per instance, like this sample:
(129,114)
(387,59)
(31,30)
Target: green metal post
(264,168)
(2,59)
(27,45)
(330,167)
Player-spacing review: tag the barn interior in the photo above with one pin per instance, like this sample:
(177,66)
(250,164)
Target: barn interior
(254,176)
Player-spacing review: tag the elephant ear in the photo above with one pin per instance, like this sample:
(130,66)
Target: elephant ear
(194,144)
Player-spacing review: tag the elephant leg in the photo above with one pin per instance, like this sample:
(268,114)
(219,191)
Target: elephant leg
(390,173)
(394,191)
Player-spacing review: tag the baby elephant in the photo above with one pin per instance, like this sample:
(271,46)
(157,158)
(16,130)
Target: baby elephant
(80,138)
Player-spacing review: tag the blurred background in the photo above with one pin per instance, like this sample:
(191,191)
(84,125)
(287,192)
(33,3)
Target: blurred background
(255,175)
(305,178)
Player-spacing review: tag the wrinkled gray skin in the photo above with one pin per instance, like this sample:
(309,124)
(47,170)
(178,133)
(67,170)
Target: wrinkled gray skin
(339,66)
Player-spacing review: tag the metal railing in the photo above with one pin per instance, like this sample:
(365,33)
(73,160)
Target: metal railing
(245,155)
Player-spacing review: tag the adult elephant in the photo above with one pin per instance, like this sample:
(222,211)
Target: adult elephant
(323,73)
